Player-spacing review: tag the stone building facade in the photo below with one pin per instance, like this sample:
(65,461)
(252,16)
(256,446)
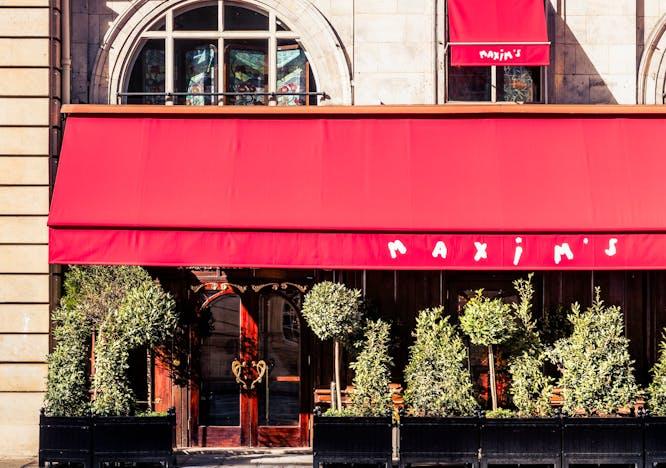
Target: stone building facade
(362,52)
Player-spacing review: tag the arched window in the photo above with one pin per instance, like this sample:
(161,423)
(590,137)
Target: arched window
(221,52)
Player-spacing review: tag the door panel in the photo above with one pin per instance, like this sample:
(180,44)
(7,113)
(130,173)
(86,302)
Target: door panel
(251,371)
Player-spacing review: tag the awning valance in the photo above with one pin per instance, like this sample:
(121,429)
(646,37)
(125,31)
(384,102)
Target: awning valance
(434,190)
(498,32)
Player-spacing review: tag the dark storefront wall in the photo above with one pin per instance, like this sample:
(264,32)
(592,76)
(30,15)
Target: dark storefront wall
(398,296)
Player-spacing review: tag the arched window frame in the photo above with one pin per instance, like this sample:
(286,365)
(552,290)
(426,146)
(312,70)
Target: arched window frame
(169,35)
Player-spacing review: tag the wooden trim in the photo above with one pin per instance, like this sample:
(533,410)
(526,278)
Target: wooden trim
(406,110)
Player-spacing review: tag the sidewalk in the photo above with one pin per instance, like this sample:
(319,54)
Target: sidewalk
(210,458)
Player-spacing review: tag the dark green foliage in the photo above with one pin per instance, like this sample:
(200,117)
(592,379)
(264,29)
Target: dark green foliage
(657,390)
(437,379)
(597,371)
(487,321)
(372,396)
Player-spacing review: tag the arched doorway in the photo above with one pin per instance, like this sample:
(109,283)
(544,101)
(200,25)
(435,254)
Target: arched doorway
(250,359)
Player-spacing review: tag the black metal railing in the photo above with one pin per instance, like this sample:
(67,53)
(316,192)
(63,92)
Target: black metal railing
(170,96)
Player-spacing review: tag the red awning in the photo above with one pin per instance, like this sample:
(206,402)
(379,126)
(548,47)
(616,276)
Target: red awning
(498,32)
(407,191)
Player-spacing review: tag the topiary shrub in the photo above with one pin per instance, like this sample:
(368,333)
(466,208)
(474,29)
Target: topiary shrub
(530,386)
(436,377)
(145,317)
(67,388)
(656,391)
(488,322)
(372,370)
(597,371)
(124,308)
(333,311)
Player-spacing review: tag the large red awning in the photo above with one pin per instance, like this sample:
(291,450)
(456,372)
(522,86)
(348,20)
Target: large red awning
(441,190)
(498,32)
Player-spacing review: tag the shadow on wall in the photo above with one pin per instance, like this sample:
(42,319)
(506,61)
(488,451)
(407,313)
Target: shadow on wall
(90,21)
(574,79)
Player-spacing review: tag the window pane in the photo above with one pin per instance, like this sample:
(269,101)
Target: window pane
(246,67)
(293,73)
(242,19)
(148,74)
(518,84)
(469,83)
(199,19)
(195,68)
(220,394)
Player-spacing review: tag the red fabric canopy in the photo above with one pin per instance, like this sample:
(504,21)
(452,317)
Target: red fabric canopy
(498,32)
(341,191)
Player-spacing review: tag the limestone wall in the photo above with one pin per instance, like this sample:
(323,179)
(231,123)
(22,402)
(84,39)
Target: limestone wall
(24,192)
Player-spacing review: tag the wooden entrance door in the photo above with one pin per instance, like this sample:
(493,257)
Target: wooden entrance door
(250,385)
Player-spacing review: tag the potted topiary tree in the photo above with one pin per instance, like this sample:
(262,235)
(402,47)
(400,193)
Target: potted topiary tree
(597,381)
(533,437)
(362,432)
(488,322)
(122,308)
(440,423)
(333,311)
(655,422)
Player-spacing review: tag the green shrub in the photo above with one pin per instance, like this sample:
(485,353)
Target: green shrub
(126,309)
(488,322)
(67,388)
(657,390)
(436,377)
(597,371)
(530,387)
(333,311)
(371,395)
(500,413)
(145,317)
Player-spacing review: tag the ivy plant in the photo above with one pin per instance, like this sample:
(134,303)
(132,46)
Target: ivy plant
(372,370)
(333,311)
(488,322)
(657,389)
(597,371)
(436,377)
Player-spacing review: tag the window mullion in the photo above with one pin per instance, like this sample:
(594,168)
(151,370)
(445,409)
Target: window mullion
(168,58)
(272,56)
(493,83)
(220,53)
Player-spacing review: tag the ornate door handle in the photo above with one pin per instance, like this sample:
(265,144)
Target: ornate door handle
(261,367)
(237,370)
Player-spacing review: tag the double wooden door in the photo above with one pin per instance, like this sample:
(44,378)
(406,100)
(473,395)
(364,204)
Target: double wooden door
(250,384)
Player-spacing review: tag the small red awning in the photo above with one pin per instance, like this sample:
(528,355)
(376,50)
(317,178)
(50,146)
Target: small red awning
(498,32)
(448,188)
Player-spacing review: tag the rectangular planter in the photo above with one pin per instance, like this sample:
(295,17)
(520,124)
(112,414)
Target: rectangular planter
(609,440)
(655,440)
(352,440)
(443,440)
(65,439)
(521,440)
(134,438)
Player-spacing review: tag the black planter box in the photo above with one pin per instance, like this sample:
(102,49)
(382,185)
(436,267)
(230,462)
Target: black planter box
(443,440)
(352,440)
(521,440)
(65,439)
(655,440)
(134,439)
(612,440)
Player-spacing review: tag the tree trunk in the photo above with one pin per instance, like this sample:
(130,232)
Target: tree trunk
(491,372)
(338,392)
